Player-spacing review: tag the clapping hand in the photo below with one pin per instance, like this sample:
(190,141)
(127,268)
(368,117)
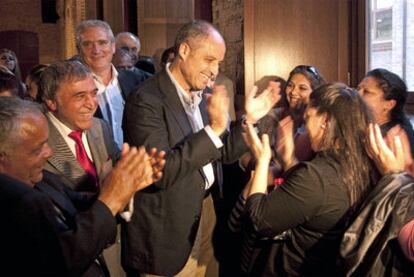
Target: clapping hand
(260,148)
(258,106)
(157,161)
(387,160)
(217,107)
(135,171)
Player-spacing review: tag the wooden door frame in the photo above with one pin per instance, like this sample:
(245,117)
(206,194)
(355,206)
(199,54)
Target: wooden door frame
(348,56)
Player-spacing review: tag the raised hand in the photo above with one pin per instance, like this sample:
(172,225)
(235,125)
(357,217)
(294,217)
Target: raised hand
(387,160)
(217,108)
(258,106)
(262,153)
(260,148)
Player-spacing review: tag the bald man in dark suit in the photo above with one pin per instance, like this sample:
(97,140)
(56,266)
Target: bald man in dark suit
(172,233)
(45,231)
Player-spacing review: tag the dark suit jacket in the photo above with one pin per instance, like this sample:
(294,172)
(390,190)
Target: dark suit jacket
(128,81)
(30,245)
(45,235)
(64,163)
(160,236)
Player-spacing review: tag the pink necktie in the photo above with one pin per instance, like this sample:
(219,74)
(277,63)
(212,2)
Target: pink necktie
(82,156)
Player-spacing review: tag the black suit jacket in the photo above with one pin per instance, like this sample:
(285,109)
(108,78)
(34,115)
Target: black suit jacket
(30,246)
(128,81)
(47,235)
(159,238)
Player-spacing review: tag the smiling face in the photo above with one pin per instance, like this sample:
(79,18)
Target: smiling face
(199,61)
(373,96)
(96,48)
(316,126)
(30,152)
(298,91)
(75,103)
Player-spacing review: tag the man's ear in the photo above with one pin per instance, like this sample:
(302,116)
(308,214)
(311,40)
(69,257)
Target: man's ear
(184,50)
(51,104)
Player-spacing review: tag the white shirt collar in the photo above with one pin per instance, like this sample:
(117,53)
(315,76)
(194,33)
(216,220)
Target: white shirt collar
(114,76)
(184,96)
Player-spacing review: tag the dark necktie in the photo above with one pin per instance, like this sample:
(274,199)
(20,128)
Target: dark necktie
(82,156)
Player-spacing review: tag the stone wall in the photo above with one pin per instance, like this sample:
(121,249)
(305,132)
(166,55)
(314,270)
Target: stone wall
(228,17)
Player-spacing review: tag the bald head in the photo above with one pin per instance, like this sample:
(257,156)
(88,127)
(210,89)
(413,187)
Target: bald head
(129,42)
(23,140)
(195,33)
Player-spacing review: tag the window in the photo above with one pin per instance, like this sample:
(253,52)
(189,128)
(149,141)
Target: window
(391,37)
(382,21)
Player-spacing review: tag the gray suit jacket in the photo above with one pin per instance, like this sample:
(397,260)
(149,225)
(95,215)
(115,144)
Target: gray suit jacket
(64,164)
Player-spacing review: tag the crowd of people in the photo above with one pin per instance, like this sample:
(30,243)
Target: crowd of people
(108,168)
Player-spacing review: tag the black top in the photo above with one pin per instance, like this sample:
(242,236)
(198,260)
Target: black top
(313,203)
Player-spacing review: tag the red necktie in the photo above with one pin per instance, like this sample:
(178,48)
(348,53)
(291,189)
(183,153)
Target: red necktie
(82,156)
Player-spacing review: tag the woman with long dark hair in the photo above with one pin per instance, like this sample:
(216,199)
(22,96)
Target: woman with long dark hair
(318,197)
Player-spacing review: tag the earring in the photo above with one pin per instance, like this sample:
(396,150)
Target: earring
(323,126)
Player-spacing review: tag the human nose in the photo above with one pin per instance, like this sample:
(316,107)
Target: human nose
(91,101)
(96,47)
(214,68)
(294,91)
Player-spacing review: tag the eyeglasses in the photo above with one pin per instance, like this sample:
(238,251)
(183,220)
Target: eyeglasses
(309,68)
(130,49)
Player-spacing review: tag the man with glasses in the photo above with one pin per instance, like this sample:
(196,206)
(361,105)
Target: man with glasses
(130,42)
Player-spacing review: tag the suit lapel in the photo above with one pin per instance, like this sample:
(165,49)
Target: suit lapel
(172,101)
(96,144)
(63,159)
(122,81)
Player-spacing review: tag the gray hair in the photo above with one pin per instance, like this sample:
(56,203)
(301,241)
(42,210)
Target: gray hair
(127,34)
(55,74)
(92,23)
(192,31)
(12,111)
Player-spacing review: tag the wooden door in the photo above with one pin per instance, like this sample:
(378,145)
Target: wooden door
(281,34)
(158,23)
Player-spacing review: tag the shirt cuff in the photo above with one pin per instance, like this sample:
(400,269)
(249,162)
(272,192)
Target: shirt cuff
(216,139)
